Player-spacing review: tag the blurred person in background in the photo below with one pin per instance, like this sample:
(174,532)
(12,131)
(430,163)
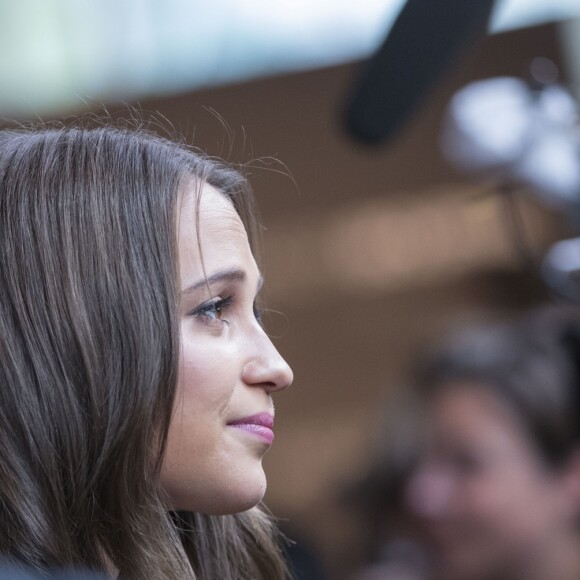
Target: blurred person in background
(498,487)
(391,546)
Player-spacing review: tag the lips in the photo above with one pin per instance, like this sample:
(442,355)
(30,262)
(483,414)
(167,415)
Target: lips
(260,425)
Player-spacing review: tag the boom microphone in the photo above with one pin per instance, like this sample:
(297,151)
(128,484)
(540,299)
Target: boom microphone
(420,46)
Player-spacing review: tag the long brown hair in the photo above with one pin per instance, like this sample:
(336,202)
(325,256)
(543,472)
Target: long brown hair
(89,351)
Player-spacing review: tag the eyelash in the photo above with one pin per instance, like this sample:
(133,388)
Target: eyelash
(213,310)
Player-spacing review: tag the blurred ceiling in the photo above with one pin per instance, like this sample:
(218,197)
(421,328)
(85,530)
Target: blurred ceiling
(60,55)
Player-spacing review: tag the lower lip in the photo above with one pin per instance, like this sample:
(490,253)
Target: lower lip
(264,433)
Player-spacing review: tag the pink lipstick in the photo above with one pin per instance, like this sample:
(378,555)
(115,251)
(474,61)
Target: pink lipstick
(261,425)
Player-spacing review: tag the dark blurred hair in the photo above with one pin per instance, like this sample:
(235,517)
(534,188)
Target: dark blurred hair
(89,351)
(531,363)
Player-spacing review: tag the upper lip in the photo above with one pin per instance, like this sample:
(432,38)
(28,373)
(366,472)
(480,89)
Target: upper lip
(262,419)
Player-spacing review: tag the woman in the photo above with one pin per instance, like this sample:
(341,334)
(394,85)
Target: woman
(136,381)
(498,489)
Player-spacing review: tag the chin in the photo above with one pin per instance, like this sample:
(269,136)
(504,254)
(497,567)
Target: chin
(236,506)
(239,498)
(234,495)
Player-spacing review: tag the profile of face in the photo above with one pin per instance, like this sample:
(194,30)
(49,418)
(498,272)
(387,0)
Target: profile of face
(222,423)
(487,499)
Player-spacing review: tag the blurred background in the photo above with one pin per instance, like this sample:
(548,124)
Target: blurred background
(371,246)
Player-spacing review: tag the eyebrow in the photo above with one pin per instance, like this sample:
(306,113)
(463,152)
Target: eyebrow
(233,275)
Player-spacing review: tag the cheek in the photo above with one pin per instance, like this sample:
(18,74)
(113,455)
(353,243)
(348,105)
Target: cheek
(205,386)
(207,467)
(509,504)
(195,447)
(200,388)
(207,377)
(490,523)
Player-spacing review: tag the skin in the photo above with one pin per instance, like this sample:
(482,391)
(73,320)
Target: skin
(492,507)
(229,368)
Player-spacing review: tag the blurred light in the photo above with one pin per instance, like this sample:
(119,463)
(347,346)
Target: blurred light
(561,268)
(58,54)
(552,166)
(502,127)
(488,123)
(544,71)
(511,14)
(387,244)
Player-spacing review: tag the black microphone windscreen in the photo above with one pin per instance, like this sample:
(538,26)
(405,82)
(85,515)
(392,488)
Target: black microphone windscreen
(419,47)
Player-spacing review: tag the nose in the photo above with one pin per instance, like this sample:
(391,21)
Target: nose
(266,368)
(429,493)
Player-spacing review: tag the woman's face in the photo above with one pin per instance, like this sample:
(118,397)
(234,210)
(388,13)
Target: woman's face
(223,415)
(488,501)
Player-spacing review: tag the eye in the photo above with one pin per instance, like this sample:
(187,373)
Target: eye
(212,311)
(464,462)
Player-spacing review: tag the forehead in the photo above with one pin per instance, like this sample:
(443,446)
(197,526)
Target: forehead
(213,207)
(210,228)
(464,401)
(474,409)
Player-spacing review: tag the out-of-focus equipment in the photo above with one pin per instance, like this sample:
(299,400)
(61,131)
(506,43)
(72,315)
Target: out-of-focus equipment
(420,47)
(524,134)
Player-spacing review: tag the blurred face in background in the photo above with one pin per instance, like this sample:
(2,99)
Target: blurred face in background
(488,500)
